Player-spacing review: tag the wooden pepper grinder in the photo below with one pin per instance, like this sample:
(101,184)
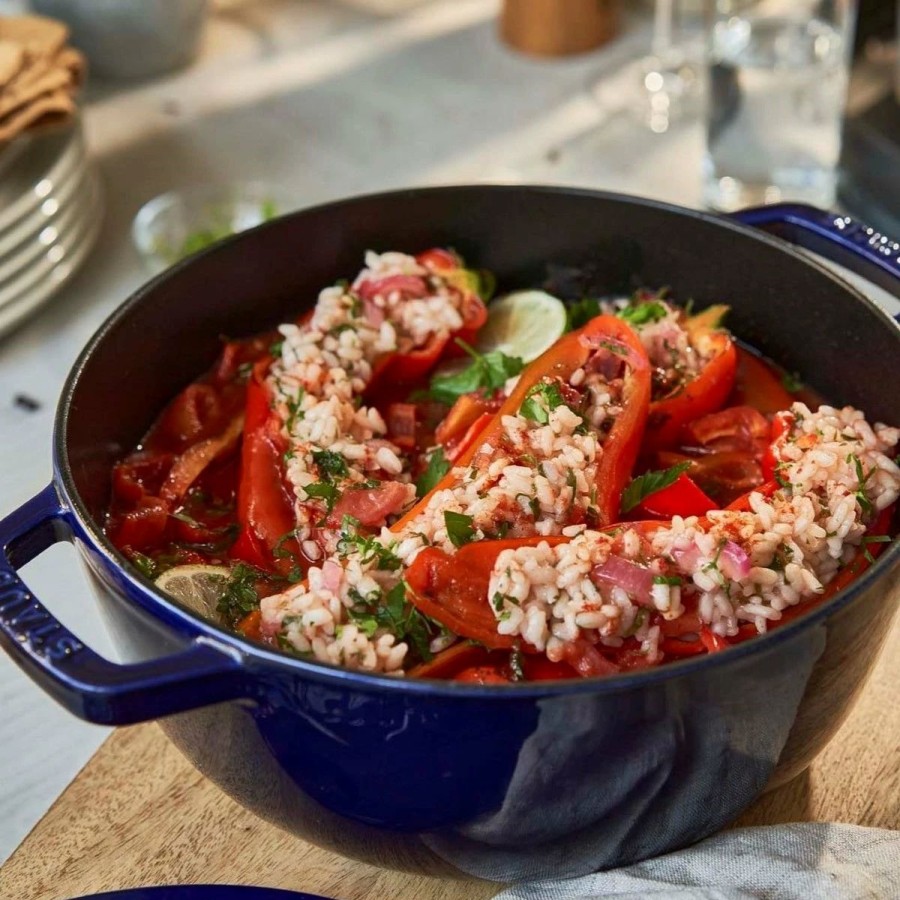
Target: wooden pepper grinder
(558,27)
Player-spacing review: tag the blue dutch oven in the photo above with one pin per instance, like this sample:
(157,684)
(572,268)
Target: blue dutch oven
(507,782)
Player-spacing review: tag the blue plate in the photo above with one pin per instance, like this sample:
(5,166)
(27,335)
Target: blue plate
(203,892)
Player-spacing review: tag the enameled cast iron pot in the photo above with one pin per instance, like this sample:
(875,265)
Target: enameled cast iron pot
(501,782)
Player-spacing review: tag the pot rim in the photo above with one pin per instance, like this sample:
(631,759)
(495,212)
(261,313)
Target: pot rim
(190,625)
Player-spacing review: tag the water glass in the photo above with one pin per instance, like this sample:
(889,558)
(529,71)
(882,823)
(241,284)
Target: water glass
(777,89)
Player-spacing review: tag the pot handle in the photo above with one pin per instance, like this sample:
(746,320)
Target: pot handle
(82,681)
(837,237)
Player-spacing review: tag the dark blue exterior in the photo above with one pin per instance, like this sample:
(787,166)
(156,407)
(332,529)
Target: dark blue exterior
(501,782)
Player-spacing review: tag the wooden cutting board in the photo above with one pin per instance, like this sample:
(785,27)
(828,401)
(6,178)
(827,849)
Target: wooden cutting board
(139,814)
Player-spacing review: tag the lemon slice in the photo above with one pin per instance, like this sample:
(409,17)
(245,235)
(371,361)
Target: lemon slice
(197,587)
(523,324)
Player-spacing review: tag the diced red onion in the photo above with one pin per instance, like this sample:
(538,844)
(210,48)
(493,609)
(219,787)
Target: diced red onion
(635,580)
(734,562)
(687,557)
(373,313)
(332,574)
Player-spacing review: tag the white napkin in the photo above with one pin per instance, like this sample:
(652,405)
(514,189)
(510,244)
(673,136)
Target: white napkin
(781,862)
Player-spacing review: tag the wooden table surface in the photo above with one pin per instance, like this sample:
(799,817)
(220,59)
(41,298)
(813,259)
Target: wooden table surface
(139,814)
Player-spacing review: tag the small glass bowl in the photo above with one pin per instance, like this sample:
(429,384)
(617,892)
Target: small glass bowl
(179,223)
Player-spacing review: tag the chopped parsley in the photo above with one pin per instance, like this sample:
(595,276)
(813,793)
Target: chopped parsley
(370,549)
(331,465)
(672,580)
(650,483)
(322,490)
(392,612)
(295,414)
(865,504)
(791,382)
(460,529)
(580,313)
(147,566)
(540,401)
(438,466)
(874,539)
(240,596)
(487,372)
(643,313)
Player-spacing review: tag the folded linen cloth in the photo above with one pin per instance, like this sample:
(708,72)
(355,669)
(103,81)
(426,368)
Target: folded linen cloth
(781,862)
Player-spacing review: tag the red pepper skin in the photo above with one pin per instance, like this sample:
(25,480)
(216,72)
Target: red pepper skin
(264,507)
(406,368)
(757,386)
(683,498)
(452,589)
(704,394)
(569,353)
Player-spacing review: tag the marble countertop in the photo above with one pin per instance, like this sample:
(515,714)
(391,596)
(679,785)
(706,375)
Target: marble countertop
(320,99)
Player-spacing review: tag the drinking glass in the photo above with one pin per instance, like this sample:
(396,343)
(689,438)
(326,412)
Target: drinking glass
(671,75)
(777,88)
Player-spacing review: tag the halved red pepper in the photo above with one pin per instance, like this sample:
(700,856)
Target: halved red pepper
(452,589)
(571,352)
(413,365)
(703,394)
(264,507)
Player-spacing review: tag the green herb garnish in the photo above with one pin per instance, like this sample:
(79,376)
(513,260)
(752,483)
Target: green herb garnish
(865,504)
(240,596)
(791,382)
(874,539)
(322,490)
(148,567)
(392,612)
(650,483)
(438,466)
(643,313)
(331,465)
(487,372)
(540,401)
(460,529)
(672,580)
(580,313)
(370,549)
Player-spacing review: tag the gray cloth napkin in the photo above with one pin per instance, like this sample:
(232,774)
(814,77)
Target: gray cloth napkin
(781,862)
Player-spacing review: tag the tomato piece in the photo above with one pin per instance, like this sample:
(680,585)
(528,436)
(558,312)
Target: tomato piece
(683,498)
(737,428)
(413,286)
(371,506)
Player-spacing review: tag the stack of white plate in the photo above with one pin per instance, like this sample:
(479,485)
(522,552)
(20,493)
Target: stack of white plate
(50,215)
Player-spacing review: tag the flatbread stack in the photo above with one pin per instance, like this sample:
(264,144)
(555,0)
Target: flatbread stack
(39,75)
